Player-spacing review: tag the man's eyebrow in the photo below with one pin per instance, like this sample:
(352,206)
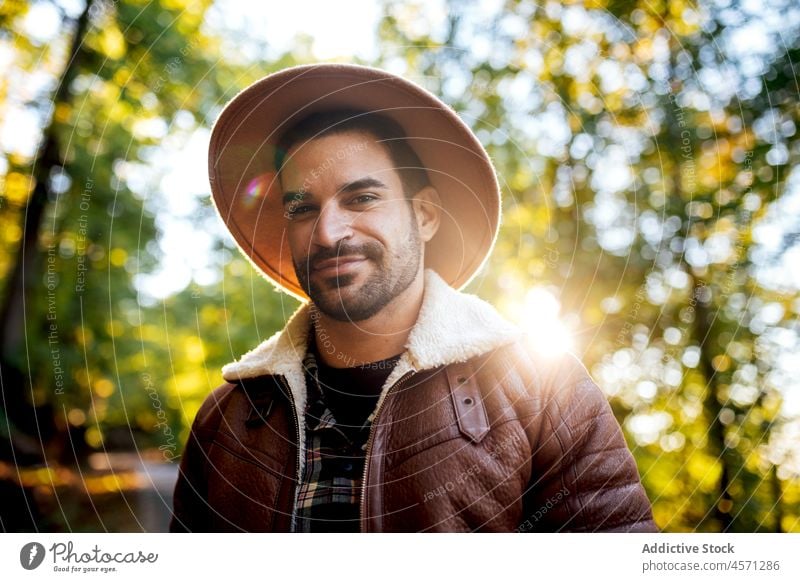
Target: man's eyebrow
(361,184)
(290,197)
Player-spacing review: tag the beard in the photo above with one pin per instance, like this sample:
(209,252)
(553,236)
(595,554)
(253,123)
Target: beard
(340,298)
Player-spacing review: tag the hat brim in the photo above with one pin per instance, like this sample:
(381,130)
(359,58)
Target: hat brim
(247,194)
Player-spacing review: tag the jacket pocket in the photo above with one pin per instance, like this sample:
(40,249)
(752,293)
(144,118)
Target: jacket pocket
(242,490)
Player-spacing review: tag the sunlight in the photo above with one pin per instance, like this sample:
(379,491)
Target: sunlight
(547,334)
(344,29)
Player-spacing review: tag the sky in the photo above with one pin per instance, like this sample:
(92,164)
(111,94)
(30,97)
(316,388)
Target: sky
(339,29)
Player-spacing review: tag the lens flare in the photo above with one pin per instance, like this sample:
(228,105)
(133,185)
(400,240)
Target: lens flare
(547,334)
(258,188)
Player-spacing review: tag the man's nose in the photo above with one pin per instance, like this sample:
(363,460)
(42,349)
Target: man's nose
(333,224)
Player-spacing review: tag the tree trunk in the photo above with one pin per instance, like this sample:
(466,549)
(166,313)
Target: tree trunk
(27,268)
(723,506)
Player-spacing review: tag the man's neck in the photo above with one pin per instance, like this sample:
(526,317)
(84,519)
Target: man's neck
(345,344)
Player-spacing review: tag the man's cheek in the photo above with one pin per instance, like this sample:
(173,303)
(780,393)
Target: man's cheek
(299,245)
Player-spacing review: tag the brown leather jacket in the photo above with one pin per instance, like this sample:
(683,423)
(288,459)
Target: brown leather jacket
(474,432)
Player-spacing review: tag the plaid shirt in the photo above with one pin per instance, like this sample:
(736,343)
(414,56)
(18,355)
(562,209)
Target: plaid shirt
(330,492)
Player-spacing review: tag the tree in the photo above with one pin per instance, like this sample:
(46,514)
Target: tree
(87,363)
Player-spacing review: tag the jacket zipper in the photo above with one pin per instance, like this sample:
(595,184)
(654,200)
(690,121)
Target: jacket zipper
(369,447)
(297,446)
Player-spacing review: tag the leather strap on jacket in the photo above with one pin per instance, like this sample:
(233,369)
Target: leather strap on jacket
(467,401)
(261,395)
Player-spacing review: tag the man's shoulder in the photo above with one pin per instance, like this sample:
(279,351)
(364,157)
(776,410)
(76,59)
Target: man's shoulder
(560,380)
(213,408)
(548,368)
(234,399)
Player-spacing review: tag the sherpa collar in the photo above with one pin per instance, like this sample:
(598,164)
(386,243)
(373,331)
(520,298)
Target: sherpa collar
(451,327)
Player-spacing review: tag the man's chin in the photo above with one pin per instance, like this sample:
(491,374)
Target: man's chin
(339,309)
(335,284)
(343,302)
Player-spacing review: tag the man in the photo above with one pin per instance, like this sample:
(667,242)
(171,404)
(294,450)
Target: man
(390,401)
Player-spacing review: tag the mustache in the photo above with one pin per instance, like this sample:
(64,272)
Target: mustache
(369,250)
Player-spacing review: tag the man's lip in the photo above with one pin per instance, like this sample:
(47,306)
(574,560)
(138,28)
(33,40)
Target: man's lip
(337,263)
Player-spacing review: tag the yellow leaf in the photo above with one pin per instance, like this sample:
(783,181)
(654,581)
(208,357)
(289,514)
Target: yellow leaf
(18,187)
(190,383)
(93,437)
(104,388)
(118,257)
(195,352)
(112,43)
(13,233)
(62,112)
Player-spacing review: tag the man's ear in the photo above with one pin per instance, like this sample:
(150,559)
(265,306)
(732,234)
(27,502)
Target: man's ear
(427,211)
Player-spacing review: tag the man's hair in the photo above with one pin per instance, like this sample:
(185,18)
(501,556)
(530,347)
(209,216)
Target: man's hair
(387,132)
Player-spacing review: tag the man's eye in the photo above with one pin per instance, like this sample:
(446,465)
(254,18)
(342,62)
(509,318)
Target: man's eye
(363,198)
(296,210)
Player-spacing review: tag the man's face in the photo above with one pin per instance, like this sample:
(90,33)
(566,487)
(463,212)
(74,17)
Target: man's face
(354,241)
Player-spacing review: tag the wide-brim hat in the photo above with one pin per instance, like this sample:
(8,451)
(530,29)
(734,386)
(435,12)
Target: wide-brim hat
(247,194)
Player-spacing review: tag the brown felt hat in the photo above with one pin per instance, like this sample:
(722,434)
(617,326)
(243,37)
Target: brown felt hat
(247,194)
